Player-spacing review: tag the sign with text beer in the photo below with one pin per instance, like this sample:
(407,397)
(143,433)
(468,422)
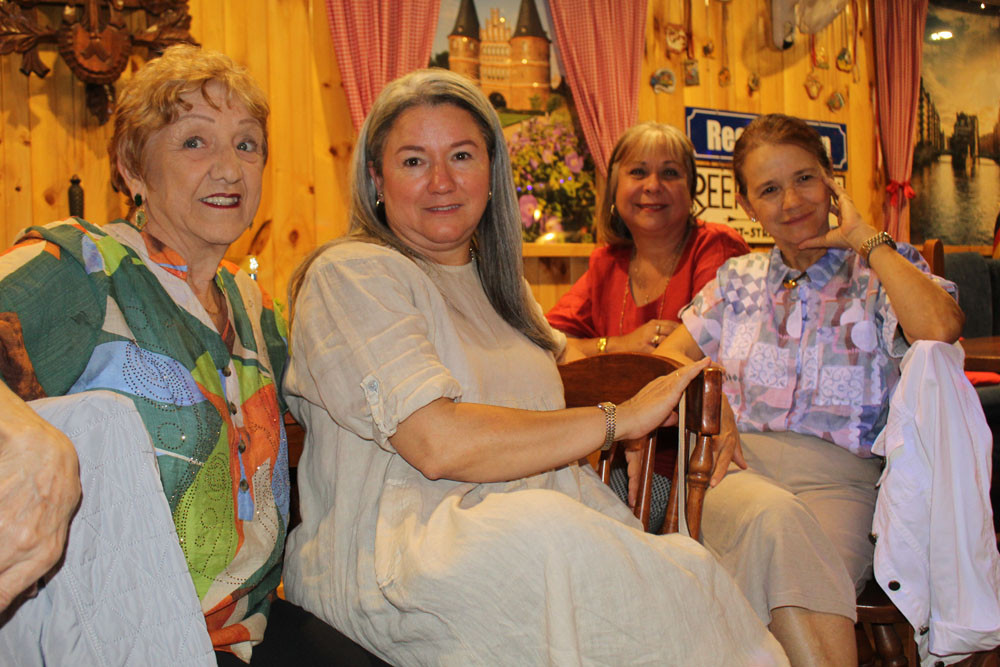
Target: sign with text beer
(714,134)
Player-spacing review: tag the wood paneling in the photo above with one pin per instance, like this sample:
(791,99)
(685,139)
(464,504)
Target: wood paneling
(47,135)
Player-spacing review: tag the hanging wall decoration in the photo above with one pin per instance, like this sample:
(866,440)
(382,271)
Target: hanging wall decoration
(835,102)
(813,86)
(691,76)
(845,59)
(663,80)
(94,38)
(708,48)
(725,76)
(676,38)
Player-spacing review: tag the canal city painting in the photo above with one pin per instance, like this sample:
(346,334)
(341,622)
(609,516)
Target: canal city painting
(956,160)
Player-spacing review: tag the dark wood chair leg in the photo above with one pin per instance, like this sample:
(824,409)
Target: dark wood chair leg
(866,655)
(888,645)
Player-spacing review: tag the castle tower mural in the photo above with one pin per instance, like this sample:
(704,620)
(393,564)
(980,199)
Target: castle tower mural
(494,59)
(463,42)
(510,64)
(529,47)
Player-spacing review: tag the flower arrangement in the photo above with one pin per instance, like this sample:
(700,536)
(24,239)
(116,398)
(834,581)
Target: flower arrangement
(554,178)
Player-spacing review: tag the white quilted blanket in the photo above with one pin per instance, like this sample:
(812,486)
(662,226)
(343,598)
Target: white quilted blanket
(123,596)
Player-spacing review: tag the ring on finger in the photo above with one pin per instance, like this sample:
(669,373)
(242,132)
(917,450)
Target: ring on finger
(657,329)
(656,340)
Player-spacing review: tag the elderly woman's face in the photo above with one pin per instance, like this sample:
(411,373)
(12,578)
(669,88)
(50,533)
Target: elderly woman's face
(653,194)
(435,181)
(202,174)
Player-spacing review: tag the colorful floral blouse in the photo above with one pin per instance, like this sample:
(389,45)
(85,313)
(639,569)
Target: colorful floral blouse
(820,358)
(85,307)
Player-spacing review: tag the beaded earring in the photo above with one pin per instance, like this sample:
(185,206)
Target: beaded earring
(140,215)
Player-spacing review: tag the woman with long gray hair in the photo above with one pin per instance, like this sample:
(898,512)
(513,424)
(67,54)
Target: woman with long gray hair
(445,519)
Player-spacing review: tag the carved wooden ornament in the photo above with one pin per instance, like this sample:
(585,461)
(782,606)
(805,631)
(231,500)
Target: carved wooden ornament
(95,44)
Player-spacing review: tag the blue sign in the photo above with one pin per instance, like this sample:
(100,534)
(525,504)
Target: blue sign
(714,134)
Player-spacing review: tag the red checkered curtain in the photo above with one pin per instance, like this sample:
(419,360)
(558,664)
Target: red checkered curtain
(899,33)
(601,42)
(377,41)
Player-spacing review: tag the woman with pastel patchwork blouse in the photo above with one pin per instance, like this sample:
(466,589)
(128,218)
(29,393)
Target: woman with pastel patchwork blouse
(811,336)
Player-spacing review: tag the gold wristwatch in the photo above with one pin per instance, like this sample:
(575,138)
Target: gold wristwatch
(882,238)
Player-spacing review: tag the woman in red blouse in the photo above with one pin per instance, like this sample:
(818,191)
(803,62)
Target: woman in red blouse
(656,256)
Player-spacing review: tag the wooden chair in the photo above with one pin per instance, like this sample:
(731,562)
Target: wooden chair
(933,252)
(618,377)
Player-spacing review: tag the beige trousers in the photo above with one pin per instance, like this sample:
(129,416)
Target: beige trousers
(793,529)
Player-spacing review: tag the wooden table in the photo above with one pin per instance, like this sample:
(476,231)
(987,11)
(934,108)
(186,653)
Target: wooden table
(982,354)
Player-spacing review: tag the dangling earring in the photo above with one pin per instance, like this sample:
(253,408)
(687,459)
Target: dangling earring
(489,196)
(140,215)
(614,211)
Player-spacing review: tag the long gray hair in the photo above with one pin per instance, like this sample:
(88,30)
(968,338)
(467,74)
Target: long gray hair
(497,240)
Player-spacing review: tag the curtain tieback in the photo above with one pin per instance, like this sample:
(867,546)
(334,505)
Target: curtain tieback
(893,189)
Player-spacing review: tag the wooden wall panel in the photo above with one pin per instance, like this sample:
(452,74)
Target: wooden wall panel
(15,151)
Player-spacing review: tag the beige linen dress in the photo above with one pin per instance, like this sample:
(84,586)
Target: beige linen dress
(551,569)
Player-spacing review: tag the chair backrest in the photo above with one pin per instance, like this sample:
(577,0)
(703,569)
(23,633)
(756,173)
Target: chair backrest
(933,252)
(618,377)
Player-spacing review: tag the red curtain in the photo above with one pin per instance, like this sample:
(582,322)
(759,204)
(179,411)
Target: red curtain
(377,41)
(601,43)
(899,34)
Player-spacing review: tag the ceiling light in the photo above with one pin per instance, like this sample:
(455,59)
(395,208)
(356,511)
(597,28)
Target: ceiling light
(941,34)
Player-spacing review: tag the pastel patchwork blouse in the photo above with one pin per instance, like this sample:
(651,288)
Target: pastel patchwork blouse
(85,307)
(820,358)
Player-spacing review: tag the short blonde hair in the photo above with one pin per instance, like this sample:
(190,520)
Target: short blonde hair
(151,100)
(639,141)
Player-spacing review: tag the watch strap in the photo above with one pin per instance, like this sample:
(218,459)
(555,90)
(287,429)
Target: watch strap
(609,409)
(882,238)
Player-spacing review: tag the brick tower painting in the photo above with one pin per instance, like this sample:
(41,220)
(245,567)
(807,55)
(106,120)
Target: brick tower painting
(511,64)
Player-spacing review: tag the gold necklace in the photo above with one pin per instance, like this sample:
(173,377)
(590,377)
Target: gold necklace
(663,297)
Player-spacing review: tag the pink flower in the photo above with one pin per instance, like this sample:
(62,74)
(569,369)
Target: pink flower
(553,224)
(528,204)
(574,162)
(548,156)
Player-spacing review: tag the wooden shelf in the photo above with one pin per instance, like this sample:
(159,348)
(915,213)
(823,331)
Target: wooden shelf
(557,249)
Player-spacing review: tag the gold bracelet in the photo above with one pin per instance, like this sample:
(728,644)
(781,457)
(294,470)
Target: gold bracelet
(602,345)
